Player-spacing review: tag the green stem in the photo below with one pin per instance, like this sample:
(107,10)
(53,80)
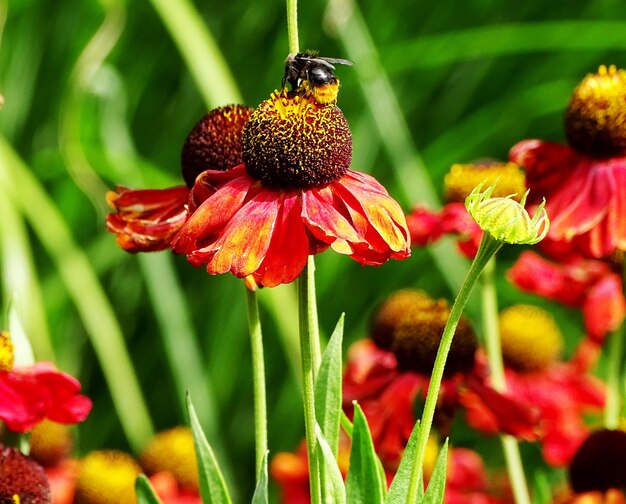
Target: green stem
(498,380)
(316,347)
(292,26)
(306,356)
(488,247)
(613,396)
(258,373)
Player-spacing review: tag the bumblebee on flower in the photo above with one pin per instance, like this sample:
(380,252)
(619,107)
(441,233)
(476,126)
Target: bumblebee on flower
(293,196)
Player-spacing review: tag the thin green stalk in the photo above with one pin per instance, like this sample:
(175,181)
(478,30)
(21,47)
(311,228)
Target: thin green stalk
(306,357)
(292,26)
(491,331)
(316,347)
(488,247)
(86,292)
(613,405)
(258,375)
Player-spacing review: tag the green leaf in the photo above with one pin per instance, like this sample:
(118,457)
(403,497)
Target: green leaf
(333,489)
(400,485)
(365,482)
(328,388)
(437,484)
(212,485)
(346,424)
(260,492)
(145,492)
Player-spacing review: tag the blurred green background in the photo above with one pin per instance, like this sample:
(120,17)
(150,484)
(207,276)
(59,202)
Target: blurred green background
(104,93)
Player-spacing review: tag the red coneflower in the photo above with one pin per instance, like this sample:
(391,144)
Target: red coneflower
(30,394)
(22,480)
(561,391)
(294,196)
(584,182)
(146,220)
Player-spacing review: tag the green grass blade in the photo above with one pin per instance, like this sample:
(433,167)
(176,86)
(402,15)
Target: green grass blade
(328,388)
(437,484)
(260,492)
(513,38)
(19,280)
(145,492)
(86,292)
(212,485)
(333,489)
(199,50)
(400,485)
(365,483)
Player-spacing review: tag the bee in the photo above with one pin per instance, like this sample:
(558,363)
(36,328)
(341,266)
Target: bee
(313,75)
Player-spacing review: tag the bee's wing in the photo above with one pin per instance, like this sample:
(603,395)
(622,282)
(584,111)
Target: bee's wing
(337,61)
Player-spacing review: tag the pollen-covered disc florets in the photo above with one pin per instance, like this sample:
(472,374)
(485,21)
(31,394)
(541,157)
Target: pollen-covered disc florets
(462,178)
(505,219)
(106,477)
(22,480)
(600,462)
(292,141)
(410,324)
(214,142)
(595,121)
(6,352)
(173,451)
(50,442)
(531,340)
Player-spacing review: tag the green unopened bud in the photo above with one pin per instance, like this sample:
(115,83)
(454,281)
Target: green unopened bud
(505,219)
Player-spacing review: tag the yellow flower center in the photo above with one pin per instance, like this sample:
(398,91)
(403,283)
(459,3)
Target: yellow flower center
(6,352)
(595,121)
(293,141)
(50,442)
(410,324)
(531,340)
(173,451)
(107,477)
(462,178)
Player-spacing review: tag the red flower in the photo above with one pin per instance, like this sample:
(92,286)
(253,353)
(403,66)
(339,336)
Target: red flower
(146,220)
(427,227)
(30,394)
(584,182)
(562,391)
(247,228)
(580,283)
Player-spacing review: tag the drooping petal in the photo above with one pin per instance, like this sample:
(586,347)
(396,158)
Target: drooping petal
(288,250)
(424,226)
(146,220)
(604,308)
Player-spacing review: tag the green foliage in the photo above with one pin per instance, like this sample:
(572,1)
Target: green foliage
(260,493)
(365,483)
(145,492)
(437,484)
(212,485)
(399,488)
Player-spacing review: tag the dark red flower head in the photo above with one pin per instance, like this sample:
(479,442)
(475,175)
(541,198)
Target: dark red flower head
(22,480)
(214,143)
(595,121)
(410,324)
(294,142)
(600,462)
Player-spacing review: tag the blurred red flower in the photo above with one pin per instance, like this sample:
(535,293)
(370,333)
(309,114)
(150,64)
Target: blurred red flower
(562,391)
(30,394)
(242,226)
(577,282)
